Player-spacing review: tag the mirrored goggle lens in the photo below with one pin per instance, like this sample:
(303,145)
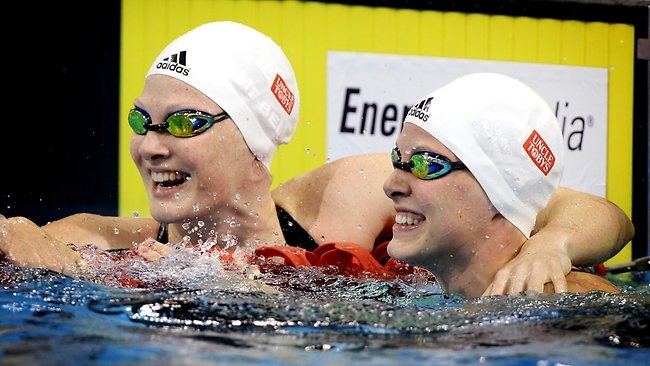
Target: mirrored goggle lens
(179,124)
(186,124)
(137,120)
(425,166)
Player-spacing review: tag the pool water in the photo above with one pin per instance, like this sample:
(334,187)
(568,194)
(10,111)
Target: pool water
(314,319)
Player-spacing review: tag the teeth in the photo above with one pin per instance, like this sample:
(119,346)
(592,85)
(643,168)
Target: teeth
(406,219)
(167,176)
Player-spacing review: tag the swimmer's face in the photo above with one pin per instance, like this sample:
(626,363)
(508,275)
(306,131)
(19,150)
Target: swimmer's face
(188,177)
(438,219)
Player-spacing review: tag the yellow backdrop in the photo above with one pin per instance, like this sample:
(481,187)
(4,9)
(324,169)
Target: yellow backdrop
(307,30)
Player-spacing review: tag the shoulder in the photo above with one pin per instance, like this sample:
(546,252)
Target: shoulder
(377,165)
(345,176)
(578,281)
(343,194)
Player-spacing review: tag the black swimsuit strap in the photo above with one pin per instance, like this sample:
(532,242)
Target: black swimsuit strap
(163,235)
(294,234)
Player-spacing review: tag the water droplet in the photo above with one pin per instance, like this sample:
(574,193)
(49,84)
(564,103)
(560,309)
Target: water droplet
(116,230)
(135,214)
(196,207)
(290,223)
(237,197)
(200,224)
(186,226)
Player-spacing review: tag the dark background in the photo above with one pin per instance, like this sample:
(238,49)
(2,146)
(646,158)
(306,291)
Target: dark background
(59,130)
(59,125)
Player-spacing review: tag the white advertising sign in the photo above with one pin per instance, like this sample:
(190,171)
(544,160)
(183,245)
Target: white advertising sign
(369,94)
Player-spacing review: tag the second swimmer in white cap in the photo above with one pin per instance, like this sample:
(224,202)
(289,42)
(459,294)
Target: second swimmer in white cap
(475,163)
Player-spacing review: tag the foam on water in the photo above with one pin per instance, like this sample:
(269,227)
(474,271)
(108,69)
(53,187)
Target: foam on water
(216,313)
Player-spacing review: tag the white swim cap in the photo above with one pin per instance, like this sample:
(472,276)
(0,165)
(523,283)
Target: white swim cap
(506,135)
(246,73)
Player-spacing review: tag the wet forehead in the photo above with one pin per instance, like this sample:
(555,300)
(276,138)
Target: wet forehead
(163,94)
(413,139)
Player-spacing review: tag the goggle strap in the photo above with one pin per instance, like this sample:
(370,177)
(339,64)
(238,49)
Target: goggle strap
(458,165)
(220,117)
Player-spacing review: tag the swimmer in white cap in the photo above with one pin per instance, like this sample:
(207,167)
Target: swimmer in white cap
(476,162)
(216,104)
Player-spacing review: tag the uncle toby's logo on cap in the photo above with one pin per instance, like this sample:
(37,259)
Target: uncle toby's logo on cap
(539,152)
(283,94)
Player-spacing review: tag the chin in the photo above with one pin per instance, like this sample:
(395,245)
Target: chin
(396,250)
(168,216)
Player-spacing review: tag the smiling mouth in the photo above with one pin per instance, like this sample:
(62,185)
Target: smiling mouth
(408,219)
(169,179)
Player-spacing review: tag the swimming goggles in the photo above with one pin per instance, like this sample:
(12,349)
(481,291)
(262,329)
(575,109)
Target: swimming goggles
(185,123)
(426,164)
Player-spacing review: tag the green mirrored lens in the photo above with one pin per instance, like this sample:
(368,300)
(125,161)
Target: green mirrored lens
(188,124)
(180,125)
(137,121)
(420,166)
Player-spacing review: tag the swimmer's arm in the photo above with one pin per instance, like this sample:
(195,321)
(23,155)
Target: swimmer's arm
(106,232)
(575,228)
(25,244)
(589,228)
(342,201)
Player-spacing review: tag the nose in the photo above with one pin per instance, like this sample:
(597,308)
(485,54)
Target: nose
(152,145)
(396,185)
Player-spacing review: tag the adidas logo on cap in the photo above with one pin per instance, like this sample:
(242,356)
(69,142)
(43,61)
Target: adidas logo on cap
(176,62)
(421,110)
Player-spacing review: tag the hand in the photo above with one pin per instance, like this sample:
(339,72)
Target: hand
(540,261)
(25,244)
(152,250)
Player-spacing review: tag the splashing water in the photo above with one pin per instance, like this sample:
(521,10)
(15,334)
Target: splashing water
(311,318)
